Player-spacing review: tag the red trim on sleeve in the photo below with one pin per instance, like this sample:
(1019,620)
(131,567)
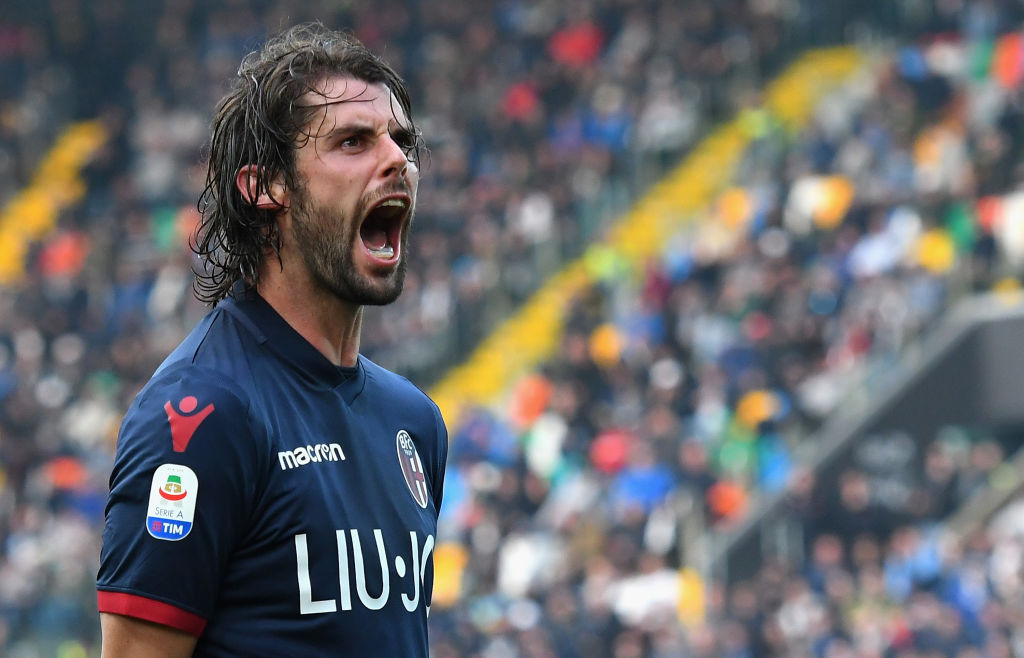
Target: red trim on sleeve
(133,605)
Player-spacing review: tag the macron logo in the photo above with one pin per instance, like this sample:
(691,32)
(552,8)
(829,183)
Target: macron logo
(321,452)
(184,423)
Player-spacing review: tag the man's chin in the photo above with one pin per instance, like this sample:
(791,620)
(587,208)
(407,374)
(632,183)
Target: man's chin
(370,291)
(381,298)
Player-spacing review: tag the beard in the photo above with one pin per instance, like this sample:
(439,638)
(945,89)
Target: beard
(326,238)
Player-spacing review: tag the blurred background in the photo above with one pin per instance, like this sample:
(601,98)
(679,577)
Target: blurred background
(720,300)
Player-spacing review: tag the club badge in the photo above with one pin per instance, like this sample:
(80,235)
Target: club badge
(412,468)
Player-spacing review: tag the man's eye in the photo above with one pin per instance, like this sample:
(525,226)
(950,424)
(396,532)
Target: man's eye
(406,141)
(350,142)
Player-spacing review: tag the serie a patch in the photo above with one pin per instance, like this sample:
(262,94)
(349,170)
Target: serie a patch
(172,502)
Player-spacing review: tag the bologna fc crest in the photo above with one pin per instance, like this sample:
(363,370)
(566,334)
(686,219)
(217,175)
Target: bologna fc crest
(412,468)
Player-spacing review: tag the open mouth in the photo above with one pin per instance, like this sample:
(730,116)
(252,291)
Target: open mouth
(382,228)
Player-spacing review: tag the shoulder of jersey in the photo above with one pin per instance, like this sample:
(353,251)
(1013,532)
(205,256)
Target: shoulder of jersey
(220,343)
(403,393)
(395,384)
(184,399)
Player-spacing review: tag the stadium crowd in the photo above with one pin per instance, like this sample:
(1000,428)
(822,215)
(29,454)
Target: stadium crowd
(544,121)
(700,379)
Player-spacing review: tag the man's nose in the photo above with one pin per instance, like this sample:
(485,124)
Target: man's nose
(394,161)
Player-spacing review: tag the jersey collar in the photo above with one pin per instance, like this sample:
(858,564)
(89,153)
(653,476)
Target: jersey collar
(273,331)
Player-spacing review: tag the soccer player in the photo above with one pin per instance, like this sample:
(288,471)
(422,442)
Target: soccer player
(274,492)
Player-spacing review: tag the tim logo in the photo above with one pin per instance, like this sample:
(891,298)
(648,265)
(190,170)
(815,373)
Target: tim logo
(168,529)
(185,420)
(412,468)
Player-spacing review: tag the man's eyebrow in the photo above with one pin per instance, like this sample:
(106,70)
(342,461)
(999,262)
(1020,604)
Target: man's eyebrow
(350,129)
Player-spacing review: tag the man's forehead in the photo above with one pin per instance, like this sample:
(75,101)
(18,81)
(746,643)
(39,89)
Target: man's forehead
(341,91)
(341,88)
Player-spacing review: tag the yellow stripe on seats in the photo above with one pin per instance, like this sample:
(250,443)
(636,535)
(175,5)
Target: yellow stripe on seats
(56,184)
(531,335)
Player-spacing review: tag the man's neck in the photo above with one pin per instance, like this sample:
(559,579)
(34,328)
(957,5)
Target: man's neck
(329,324)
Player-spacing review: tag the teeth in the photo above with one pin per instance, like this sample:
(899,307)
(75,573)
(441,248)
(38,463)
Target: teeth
(386,252)
(396,203)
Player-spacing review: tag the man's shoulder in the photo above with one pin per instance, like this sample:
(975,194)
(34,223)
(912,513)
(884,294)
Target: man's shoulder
(191,407)
(397,392)
(210,366)
(219,342)
(185,390)
(395,385)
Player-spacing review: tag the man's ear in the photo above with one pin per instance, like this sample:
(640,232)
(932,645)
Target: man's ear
(247,181)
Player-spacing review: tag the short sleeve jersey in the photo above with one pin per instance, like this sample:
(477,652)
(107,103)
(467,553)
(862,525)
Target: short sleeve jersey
(272,503)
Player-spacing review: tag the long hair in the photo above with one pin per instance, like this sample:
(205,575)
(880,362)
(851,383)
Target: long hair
(260,122)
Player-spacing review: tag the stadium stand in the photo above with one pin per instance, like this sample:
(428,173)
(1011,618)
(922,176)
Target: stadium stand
(670,389)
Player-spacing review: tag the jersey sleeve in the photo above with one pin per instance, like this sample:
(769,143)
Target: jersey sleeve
(441,457)
(181,493)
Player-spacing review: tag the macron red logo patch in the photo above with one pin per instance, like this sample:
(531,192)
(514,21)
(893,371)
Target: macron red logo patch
(185,422)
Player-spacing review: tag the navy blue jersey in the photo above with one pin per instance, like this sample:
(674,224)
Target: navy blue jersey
(272,503)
